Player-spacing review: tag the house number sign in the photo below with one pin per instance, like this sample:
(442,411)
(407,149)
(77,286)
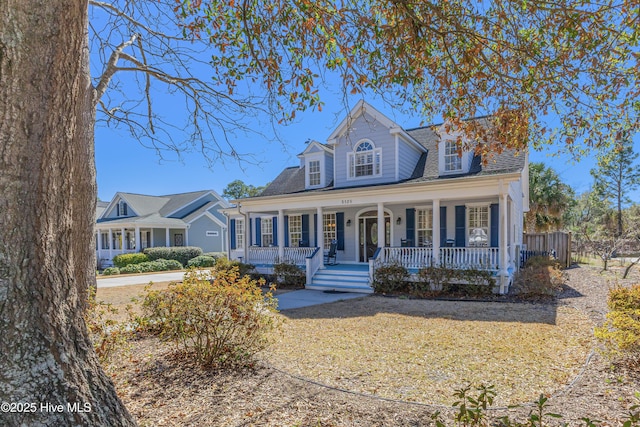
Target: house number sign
(347,201)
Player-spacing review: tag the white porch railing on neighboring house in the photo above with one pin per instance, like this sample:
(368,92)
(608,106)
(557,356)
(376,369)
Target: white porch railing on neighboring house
(269,255)
(466,258)
(313,262)
(408,257)
(237,254)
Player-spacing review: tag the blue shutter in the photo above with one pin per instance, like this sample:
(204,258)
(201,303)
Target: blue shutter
(340,230)
(286,230)
(232,233)
(316,238)
(461,229)
(411,227)
(274,230)
(495,224)
(258,231)
(443,226)
(305,230)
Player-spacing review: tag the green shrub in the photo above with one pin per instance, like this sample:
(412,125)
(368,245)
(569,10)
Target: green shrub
(152,266)
(224,323)
(215,255)
(289,275)
(390,278)
(170,264)
(202,261)
(110,271)
(224,264)
(135,268)
(540,277)
(621,332)
(123,260)
(182,254)
(433,278)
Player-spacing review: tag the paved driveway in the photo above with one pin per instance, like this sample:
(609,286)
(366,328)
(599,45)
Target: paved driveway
(143,279)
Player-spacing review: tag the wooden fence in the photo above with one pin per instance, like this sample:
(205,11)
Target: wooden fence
(558,241)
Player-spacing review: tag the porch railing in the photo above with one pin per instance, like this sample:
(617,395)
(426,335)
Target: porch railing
(476,258)
(269,255)
(409,257)
(313,263)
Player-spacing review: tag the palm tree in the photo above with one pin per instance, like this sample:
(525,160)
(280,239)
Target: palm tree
(548,199)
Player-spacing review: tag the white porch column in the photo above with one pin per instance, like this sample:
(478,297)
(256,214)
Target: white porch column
(381,225)
(138,239)
(166,238)
(320,234)
(110,244)
(435,232)
(122,240)
(503,243)
(186,236)
(247,236)
(281,234)
(99,240)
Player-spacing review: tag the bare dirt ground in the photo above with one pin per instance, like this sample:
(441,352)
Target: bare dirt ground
(287,389)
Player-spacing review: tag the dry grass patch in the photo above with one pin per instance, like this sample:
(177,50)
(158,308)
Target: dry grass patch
(419,350)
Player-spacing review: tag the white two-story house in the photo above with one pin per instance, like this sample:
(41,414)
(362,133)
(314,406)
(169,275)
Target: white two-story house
(385,193)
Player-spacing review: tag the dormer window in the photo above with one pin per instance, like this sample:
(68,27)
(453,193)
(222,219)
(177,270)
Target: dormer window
(314,173)
(122,209)
(365,160)
(452,159)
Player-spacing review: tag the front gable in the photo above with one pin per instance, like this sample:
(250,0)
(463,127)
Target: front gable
(119,207)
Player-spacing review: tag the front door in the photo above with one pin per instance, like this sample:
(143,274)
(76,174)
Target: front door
(368,227)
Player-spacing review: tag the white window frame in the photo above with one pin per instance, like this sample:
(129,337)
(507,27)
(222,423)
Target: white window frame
(266,231)
(475,222)
(239,233)
(295,230)
(329,228)
(424,227)
(452,160)
(314,176)
(375,161)
(105,241)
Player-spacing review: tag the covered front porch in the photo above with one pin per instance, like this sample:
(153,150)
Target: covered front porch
(477,233)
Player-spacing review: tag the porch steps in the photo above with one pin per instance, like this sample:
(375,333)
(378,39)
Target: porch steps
(342,278)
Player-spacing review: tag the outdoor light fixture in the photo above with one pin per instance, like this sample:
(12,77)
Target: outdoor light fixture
(348,223)
(399,220)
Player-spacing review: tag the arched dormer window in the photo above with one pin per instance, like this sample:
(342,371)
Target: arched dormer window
(365,160)
(122,209)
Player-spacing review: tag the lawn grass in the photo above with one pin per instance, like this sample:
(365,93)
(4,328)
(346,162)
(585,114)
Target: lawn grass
(418,350)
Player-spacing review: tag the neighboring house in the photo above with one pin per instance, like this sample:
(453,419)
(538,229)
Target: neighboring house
(386,194)
(133,222)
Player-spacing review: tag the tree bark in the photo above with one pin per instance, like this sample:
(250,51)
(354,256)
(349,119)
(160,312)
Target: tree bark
(49,373)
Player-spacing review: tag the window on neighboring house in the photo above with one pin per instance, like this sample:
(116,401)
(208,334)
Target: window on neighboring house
(104,237)
(295,230)
(365,160)
(314,173)
(117,240)
(122,209)
(329,228)
(424,227)
(452,159)
(130,240)
(239,233)
(478,227)
(266,230)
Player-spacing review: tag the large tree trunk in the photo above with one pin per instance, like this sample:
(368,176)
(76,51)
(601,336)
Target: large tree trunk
(47,208)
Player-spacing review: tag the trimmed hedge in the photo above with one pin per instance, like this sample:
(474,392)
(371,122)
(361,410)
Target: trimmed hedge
(202,261)
(215,255)
(123,260)
(182,254)
(150,266)
(110,271)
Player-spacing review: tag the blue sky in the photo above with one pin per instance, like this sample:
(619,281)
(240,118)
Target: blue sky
(125,165)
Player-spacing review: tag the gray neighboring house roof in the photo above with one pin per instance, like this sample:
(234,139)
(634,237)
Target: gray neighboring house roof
(292,179)
(155,210)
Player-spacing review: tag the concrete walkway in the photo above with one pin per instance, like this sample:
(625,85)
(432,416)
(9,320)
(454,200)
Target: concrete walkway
(286,301)
(308,297)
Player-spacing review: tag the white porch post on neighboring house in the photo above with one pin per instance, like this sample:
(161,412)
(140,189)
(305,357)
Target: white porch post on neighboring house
(186,236)
(320,233)
(504,260)
(166,238)
(99,240)
(435,232)
(247,235)
(110,244)
(381,226)
(281,234)
(138,239)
